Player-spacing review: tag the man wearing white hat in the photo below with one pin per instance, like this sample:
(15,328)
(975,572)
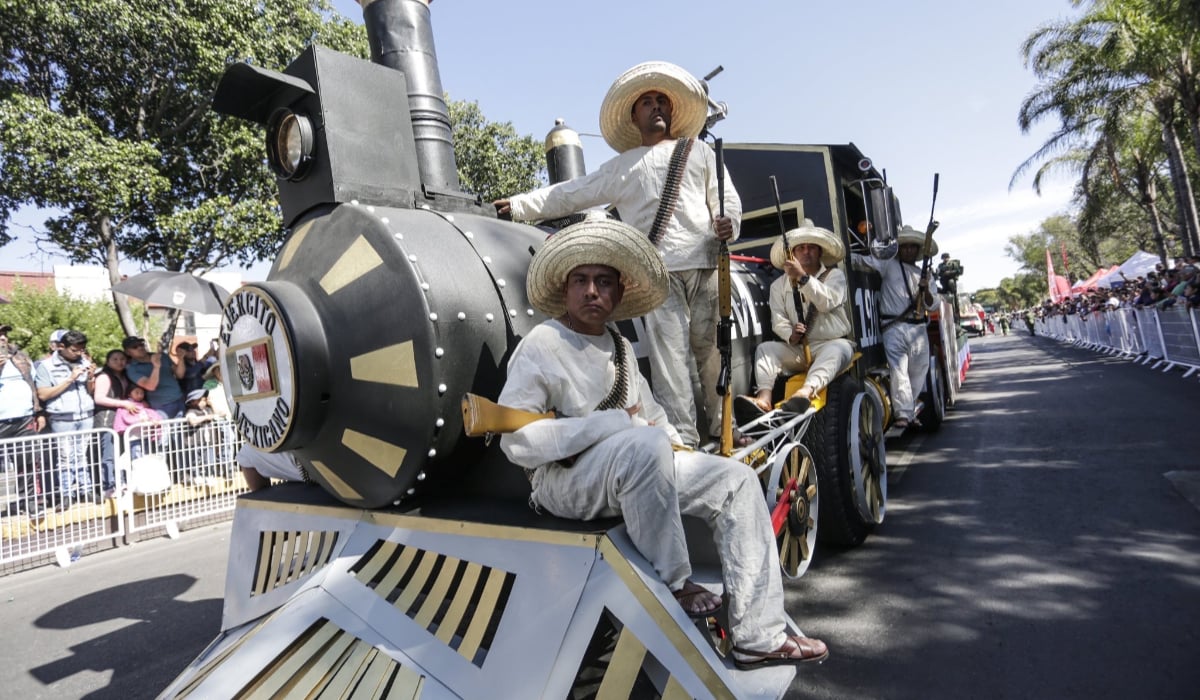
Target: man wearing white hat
(611,450)
(820,323)
(649,110)
(904,336)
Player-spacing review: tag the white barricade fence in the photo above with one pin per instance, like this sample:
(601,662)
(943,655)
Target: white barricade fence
(63,491)
(1180,342)
(178,471)
(60,490)
(1168,338)
(1151,337)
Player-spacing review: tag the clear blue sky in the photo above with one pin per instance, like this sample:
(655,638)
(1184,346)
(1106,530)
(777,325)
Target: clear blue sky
(921,87)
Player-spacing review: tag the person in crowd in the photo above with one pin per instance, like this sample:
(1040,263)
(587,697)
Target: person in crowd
(1004,324)
(259,468)
(65,382)
(158,374)
(112,386)
(612,450)
(201,438)
(227,436)
(652,112)
(137,412)
(21,416)
(55,342)
(1191,293)
(195,367)
(904,337)
(808,313)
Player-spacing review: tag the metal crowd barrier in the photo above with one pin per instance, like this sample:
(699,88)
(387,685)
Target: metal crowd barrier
(161,475)
(1163,338)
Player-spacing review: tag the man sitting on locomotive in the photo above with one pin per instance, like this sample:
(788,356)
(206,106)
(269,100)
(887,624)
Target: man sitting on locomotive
(904,335)
(648,116)
(808,312)
(612,451)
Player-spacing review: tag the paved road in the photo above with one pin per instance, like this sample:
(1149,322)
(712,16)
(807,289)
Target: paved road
(1033,549)
(117,624)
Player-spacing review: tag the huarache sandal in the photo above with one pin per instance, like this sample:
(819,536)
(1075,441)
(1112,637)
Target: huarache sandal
(697,601)
(796,404)
(901,423)
(746,409)
(795,649)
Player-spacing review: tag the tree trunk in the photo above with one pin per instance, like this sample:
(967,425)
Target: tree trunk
(1149,203)
(112,263)
(1179,177)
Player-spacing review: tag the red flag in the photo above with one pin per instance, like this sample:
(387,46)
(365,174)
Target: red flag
(1050,277)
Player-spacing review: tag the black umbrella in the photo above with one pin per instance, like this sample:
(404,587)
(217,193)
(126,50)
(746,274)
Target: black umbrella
(177,290)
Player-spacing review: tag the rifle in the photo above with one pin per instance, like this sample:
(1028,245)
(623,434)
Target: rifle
(483,417)
(787,253)
(929,229)
(725,326)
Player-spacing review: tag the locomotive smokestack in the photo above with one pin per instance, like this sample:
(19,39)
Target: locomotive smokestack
(401,37)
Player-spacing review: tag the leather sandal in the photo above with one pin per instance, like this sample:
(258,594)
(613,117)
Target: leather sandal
(795,649)
(796,404)
(692,593)
(746,409)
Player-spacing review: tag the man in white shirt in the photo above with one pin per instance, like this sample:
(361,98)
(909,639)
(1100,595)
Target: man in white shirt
(611,450)
(808,314)
(647,112)
(904,334)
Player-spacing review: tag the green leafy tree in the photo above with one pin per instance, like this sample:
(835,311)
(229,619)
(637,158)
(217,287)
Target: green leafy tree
(1119,58)
(105,125)
(493,160)
(34,315)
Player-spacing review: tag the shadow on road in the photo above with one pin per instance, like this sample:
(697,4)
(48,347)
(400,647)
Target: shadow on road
(158,642)
(1032,549)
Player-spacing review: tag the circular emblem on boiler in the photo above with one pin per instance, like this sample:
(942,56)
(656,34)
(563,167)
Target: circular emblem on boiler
(257,356)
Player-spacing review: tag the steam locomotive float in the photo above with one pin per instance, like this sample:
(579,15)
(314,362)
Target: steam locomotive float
(417,569)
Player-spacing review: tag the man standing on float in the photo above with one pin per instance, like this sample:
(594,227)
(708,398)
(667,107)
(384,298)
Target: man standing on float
(651,116)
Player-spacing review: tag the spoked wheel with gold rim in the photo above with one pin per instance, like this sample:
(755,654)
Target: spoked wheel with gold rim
(792,500)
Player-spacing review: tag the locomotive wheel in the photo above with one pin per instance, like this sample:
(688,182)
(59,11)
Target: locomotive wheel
(934,397)
(868,458)
(792,499)
(832,438)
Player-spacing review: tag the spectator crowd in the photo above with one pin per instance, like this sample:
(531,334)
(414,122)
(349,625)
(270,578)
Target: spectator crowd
(64,391)
(1161,288)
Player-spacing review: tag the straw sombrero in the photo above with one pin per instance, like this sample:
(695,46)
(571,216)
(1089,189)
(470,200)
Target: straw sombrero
(598,242)
(908,234)
(689,104)
(832,250)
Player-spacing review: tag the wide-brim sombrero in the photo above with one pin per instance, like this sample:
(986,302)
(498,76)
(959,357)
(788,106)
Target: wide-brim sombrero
(832,250)
(598,242)
(908,234)
(689,104)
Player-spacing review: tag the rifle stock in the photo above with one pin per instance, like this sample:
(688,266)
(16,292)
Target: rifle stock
(482,416)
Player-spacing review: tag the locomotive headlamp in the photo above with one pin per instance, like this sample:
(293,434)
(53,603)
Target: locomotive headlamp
(289,144)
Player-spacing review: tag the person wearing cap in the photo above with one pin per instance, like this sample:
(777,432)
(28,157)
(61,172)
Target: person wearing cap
(646,111)
(55,338)
(904,337)
(611,450)
(810,271)
(21,416)
(65,382)
(163,391)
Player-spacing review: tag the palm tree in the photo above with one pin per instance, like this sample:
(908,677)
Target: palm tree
(1119,57)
